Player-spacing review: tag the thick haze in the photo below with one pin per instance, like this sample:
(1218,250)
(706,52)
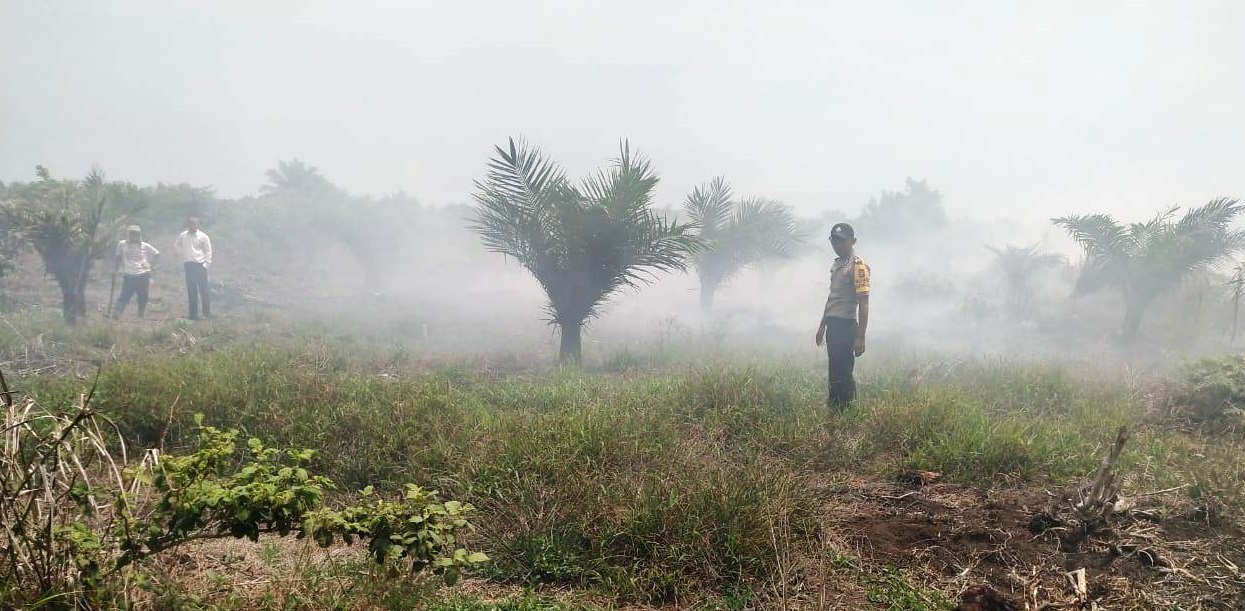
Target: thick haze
(1010,110)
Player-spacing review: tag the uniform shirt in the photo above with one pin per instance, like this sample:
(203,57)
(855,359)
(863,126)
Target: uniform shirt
(135,257)
(849,279)
(194,249)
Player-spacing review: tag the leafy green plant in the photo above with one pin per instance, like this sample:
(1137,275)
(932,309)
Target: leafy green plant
(417,530)
(898,594)
(1213,388)
(75,513)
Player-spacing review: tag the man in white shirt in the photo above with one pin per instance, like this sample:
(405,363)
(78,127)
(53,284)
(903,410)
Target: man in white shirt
(195,248)
(136,258)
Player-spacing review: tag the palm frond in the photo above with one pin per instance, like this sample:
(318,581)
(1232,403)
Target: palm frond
(740,233)
(297,178)
(517,200)
(63,222)
(1145,259)
(778,233)
(1098,234)
(94,181)
(1021,262)
(709,206)
(1217,214)
(582,244)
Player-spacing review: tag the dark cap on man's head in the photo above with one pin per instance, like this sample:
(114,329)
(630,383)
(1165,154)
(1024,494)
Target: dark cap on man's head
(842,230)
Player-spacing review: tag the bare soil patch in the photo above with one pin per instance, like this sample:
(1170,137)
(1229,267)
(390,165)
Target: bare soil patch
(950,537)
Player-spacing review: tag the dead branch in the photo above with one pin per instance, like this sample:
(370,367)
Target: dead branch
(1097,502)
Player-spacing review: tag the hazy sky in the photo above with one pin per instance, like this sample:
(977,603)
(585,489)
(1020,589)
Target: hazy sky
(1011,109)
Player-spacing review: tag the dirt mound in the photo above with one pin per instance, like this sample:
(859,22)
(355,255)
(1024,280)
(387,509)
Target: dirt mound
(951,538)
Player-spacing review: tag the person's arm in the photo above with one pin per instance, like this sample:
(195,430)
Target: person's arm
(862,323)
(207,251)
(155,255)
(117,259)
(864,281)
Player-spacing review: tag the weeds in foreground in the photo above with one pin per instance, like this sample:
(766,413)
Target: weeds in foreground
(77,515)
(898,594)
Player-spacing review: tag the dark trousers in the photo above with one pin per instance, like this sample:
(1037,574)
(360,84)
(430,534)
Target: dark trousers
(197,288)
(840,347)
(131,286)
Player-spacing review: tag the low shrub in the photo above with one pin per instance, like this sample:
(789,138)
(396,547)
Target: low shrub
(1212,388)
(77,515)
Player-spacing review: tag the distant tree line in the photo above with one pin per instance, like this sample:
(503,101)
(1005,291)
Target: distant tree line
(586,240)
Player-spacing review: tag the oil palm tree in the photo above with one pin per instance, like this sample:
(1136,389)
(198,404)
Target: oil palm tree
(64,223)
(296,178)
(1020,266)
(584,242)
(737,234)
(1146,260)
(1237,282)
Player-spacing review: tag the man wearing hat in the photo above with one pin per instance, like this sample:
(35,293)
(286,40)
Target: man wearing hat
(846,316)
(136,258)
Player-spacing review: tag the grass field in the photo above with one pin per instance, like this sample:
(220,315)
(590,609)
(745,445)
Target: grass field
(663,479)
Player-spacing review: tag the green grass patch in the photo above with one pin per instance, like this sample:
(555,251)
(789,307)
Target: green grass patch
(647,486)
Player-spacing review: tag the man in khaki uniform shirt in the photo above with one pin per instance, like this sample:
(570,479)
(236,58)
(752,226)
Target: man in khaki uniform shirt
(846,316)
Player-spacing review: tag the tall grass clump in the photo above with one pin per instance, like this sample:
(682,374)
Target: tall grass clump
(606,489)
(978,422)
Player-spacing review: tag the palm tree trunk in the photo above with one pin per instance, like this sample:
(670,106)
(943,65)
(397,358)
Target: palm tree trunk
(84,275)
(571,352)
(80,300)
(707,289)
(69,309)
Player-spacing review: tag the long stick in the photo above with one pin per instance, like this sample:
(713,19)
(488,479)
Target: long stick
(112,290)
